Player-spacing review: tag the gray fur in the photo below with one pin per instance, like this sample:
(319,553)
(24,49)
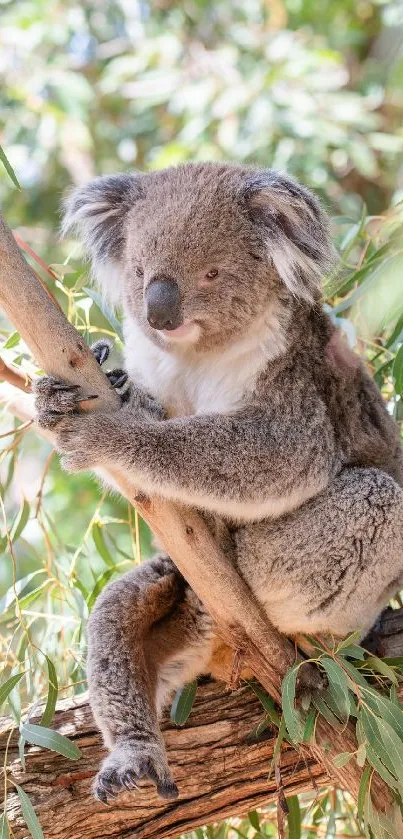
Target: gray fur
(261,418)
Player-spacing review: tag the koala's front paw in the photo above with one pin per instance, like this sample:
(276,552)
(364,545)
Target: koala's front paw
(130,762)
(53,400)
(80,437)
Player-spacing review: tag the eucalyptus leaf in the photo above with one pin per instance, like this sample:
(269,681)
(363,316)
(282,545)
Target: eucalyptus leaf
(8,686)
(49,739)
(294,817)
(291,714)
(49,711)
(29,814)
(183,703)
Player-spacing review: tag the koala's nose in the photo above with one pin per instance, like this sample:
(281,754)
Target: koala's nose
(163,305)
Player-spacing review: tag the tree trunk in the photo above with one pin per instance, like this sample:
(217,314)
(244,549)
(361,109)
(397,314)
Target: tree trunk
(220,772)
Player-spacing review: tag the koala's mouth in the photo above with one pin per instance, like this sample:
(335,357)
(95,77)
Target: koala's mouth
(187,331)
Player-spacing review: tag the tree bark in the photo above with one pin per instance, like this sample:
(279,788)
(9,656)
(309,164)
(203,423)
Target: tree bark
(240,621)
(220,772)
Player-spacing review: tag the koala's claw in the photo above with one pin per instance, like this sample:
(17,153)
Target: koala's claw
(125,767)
(101,350)
(117,377)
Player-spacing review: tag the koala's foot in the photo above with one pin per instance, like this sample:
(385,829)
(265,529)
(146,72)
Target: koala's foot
(130,762)
(101,350)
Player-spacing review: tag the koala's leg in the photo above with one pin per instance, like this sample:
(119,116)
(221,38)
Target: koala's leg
(148,634)
(331,565)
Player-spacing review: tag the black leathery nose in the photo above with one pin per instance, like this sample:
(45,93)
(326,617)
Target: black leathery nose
(163,304)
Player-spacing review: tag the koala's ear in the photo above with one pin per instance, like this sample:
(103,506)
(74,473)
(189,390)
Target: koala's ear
(295,229)
(97,212)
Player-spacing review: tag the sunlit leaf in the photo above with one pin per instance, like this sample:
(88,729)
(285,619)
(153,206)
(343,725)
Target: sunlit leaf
(49,739)
(49,711)
(29,814)
(8,167)
(8,686)
(292,716)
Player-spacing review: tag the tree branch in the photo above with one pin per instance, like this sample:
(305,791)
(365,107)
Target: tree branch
(219,768)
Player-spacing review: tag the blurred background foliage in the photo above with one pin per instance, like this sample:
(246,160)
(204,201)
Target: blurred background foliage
(93,87)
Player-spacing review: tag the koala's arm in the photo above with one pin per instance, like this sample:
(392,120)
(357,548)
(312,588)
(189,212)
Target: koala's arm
(218,462)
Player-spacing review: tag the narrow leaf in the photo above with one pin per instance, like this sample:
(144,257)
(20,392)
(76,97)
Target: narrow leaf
(49,711)
(4,831)
(342,759)
(291,714)
(99,586)
(253,817)
(29,815)
(389,711)
(49,739)
(294,817)
(375,663)
(101,546)
(266,700)
(7,687)
(9,169)
(363,791)
(338,686)
(183,703)
(398,371)
(20,521)
(12,341)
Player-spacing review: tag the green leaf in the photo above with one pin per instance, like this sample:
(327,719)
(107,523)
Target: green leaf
(361,755)
(324,709)
(363,791)
(49,711)
(397,371)
(9,169)
(4,831)
(291,714)
(8,686)
(338,687)
(20,521)
(107,313)
(294,817)
(309,728)
(380,768)
(101,546)
(342,759)
(353,651)
(29,815)
(12,341)
(266,701)
(99,586)
(183,703)
(49,739)
(253,817)
(389,711)
(356,676)
(380,666)
(384,740)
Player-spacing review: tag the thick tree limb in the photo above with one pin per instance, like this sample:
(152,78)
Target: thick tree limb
(61,351)
(218,770)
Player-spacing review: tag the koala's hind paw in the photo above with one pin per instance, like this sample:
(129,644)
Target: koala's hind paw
(129,763)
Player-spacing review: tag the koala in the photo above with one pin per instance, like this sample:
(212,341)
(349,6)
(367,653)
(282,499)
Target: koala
(244,402)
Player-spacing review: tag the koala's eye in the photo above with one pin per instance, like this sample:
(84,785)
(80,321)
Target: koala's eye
(139,272)
(212,274)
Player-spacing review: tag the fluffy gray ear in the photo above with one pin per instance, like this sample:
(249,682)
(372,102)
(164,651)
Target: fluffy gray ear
(97,213)
(295,229)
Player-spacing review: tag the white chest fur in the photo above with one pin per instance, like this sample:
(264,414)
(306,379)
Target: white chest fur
(216,383)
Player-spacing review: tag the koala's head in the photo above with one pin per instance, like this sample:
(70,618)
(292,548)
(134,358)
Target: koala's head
(200,254)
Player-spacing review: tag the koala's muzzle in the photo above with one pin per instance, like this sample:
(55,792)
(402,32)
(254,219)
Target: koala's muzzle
(163,304)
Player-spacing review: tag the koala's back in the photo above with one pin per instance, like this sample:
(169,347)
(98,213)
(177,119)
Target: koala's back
(364,430)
